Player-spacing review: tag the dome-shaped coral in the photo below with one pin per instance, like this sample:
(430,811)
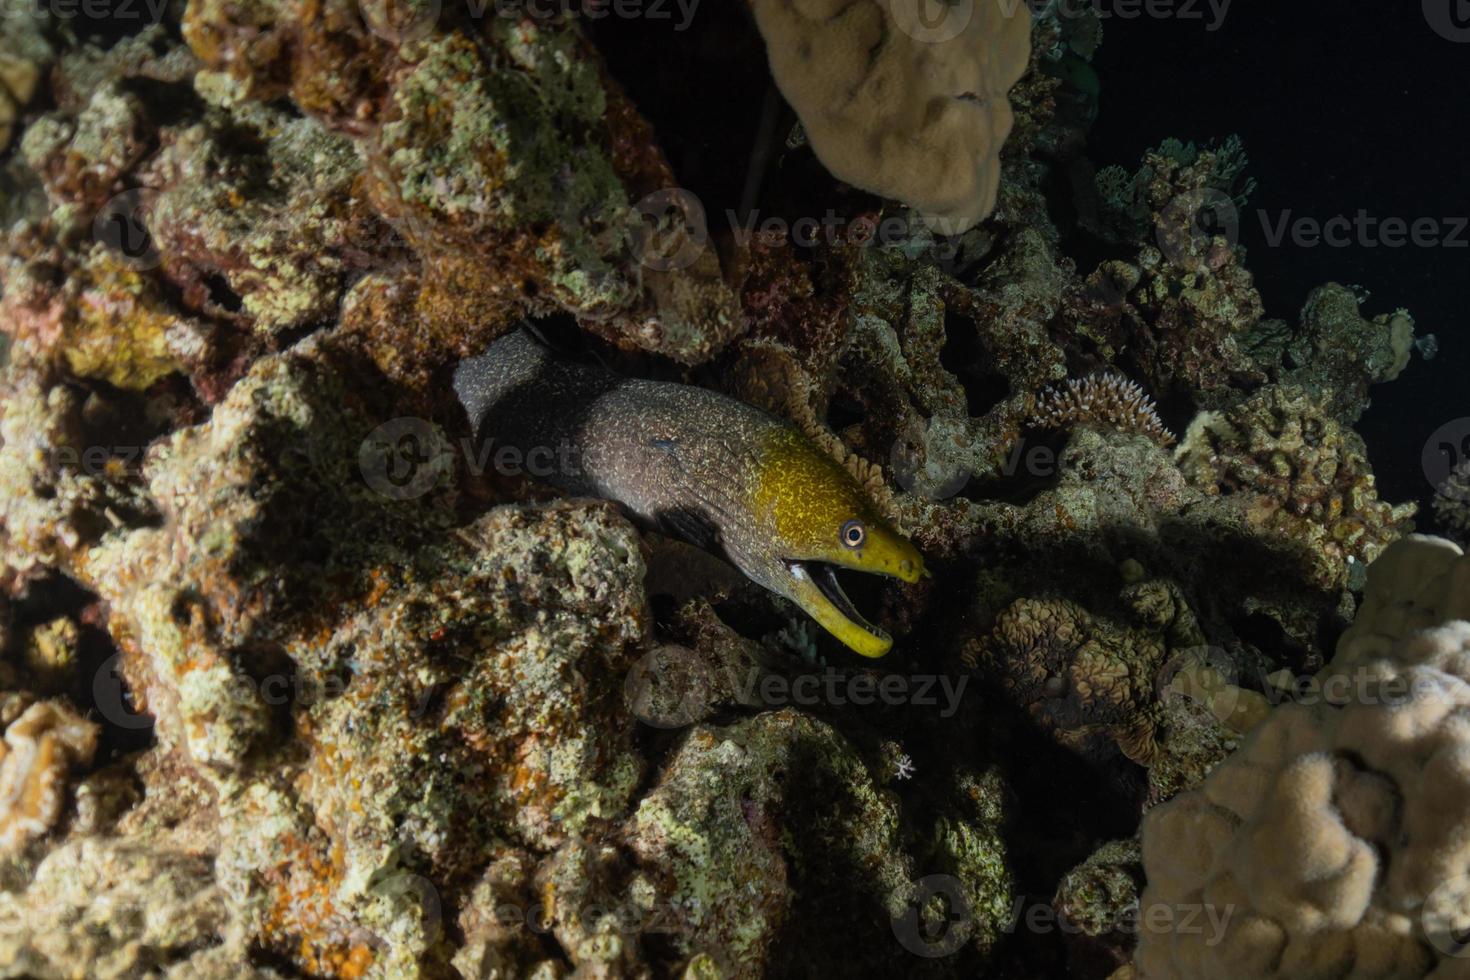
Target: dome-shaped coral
(1336,841)
(905,99)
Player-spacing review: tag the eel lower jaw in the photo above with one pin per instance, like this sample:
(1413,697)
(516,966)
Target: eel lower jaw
(820,594)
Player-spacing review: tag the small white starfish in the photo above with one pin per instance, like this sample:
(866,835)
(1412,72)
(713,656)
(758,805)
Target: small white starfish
(904,767)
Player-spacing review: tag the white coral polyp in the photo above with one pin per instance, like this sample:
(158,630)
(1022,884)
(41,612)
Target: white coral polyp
(1335,843)
(904,98)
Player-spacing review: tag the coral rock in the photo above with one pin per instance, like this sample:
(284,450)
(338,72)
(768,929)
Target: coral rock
(1291,468)
(42,747)
(1334,839)
(900,103)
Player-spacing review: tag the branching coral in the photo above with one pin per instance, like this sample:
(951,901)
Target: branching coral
(902,103)
(1333,842)
(1107,400)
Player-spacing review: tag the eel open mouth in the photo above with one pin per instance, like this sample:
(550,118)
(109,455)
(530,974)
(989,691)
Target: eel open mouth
(821,595)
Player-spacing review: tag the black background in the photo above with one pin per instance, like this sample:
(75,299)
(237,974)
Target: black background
(1342,106)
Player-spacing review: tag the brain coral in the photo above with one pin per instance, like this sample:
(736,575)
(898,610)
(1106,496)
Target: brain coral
(906,99)
(1080,677)
(1336,841)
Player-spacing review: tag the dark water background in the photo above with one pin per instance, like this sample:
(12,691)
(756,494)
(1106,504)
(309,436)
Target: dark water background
(1342,106)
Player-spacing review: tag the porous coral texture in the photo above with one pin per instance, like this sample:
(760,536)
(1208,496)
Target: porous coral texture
(905,99)
(1293,469)
(40,750)
(1333,843)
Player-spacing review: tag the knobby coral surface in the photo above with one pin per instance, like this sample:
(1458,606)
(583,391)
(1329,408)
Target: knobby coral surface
(1333,842)
(295,682)
(908,100)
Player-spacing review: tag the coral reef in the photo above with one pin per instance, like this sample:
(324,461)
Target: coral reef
(899,103)
(1306,477)
(1184,307)
(1452,501)
(1337,352)
(296,680)
(1107,400)
(1333,840)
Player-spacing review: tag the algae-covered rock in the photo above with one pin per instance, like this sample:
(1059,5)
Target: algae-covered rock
(754,823)
(294,681)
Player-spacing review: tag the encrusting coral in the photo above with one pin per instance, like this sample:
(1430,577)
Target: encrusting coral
(1291,468)
(324,692)
(42,747)
(1452,501)
(901,102)
(1333,842)
(1079,676)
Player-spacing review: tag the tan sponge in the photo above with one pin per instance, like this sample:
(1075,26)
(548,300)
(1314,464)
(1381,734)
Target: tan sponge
(904,98)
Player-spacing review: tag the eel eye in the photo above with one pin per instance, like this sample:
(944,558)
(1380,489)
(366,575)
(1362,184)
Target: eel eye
(853,534)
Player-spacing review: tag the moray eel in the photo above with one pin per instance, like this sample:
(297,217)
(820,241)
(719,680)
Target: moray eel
(695,464)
